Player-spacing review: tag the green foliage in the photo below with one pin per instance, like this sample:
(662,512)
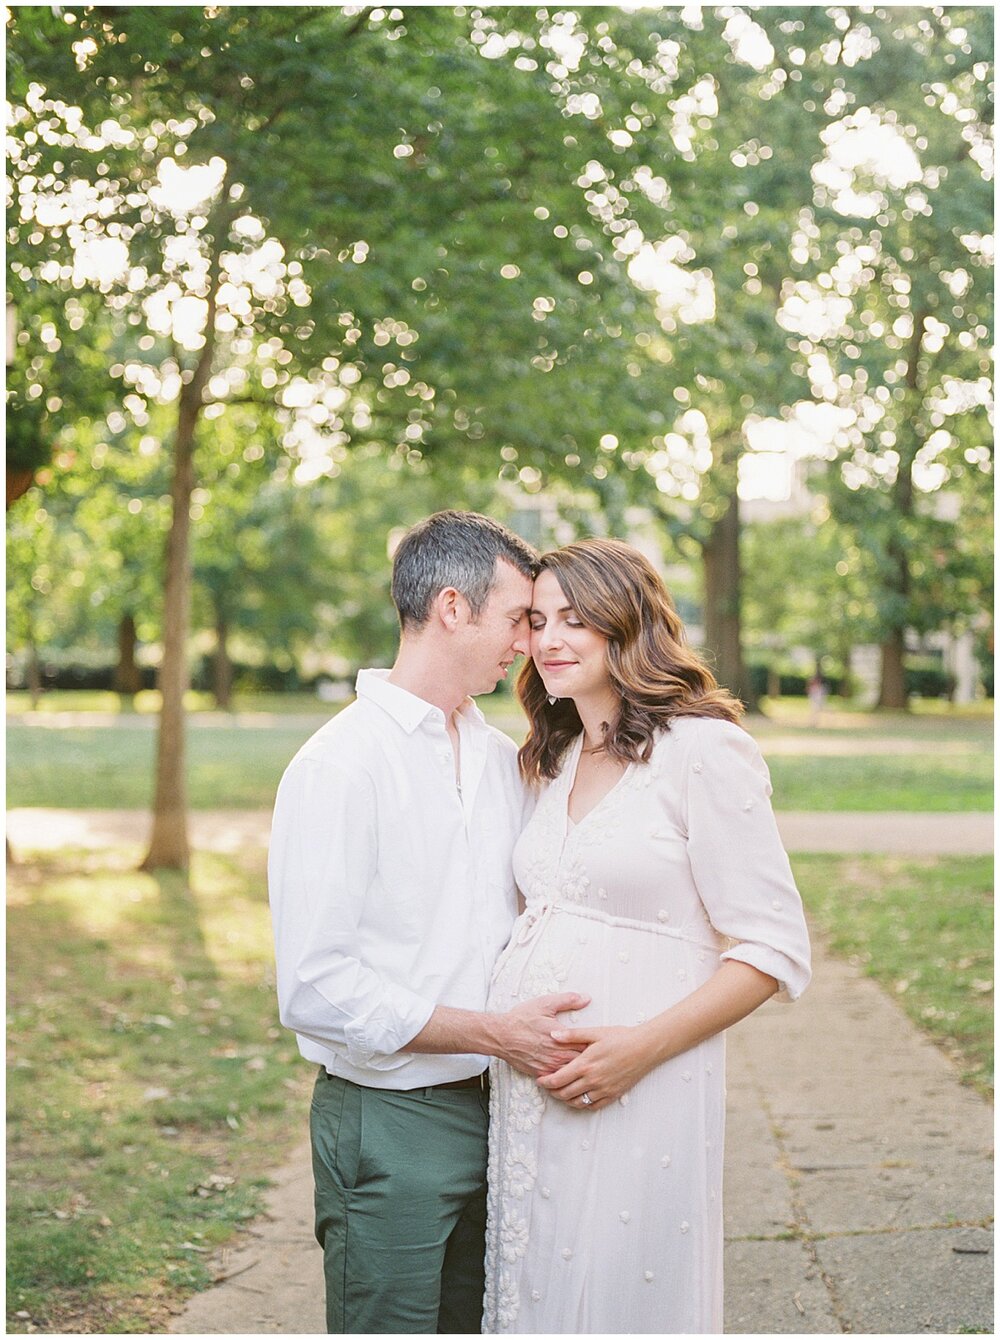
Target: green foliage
(924,931)
(898,242)
(828,608)
(421,231)
(25,432)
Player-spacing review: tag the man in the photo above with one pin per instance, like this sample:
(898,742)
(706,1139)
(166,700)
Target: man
(392,895)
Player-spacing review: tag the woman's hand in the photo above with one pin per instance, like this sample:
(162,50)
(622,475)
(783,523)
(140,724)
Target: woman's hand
(613,1059)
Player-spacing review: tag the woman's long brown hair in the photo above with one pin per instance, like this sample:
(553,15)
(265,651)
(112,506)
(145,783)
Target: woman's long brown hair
(616,591)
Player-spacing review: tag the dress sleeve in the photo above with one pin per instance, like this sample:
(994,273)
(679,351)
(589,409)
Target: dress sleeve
(737,860)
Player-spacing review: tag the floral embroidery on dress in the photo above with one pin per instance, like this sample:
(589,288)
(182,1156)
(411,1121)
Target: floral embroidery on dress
(513,1236)
(507,1300)
(543,976)
(520,1172)
(527,1103)
(539,876)
(601,824)
(574,883)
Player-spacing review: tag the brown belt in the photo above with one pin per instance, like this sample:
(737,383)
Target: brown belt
(479,1082)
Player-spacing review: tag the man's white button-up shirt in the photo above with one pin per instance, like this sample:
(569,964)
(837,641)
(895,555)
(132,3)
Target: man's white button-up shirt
(391,886)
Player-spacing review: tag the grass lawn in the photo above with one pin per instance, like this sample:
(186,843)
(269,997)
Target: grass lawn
(933,781)
(147,703)
(149,1086)
(150,1089)
(923,929)
(236,764)
(229,767)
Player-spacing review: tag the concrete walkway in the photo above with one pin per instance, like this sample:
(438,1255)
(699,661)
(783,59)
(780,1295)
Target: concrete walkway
(858,1171)
(897,834)
(858,1187)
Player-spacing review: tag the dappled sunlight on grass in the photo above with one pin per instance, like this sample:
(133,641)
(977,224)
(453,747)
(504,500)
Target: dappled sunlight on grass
(147,1073)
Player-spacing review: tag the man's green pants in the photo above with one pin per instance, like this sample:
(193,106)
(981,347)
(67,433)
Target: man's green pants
(400,1206)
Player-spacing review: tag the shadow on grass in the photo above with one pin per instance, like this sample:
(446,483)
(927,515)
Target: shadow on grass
(148,1086)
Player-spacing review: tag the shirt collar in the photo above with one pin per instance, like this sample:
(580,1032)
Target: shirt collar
(405,707)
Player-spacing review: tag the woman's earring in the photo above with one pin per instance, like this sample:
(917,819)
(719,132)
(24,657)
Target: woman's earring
(552,699)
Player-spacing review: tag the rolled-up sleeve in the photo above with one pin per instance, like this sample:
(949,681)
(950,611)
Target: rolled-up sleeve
(321,866)
(737,859)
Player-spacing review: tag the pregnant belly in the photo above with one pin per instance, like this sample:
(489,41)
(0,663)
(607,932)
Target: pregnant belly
(630,970)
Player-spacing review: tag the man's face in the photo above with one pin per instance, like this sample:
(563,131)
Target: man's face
(501,631)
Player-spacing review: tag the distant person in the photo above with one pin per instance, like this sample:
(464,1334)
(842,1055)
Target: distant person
(392,895)
(655,879)
(816,693)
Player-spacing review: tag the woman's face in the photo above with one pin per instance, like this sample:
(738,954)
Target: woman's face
(571,659)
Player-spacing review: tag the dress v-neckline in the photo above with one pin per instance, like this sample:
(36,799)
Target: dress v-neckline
(571,771)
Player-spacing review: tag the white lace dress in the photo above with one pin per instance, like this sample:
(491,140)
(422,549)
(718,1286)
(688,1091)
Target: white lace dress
(612,1221)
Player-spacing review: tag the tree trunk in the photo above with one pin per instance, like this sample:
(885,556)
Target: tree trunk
(128,677)
(169,849)
(222,666)
(18,484)
(34,676)
(892,688)
(721,553)
(842,651)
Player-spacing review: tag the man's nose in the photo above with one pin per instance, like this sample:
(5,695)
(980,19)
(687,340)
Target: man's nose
(520,643)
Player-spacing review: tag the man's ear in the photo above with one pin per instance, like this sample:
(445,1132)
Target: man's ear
(450,607)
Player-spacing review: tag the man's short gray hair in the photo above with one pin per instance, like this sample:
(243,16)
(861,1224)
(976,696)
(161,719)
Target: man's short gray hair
(458,549)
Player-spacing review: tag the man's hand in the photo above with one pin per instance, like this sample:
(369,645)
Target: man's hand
(522,1037)
(524,1034)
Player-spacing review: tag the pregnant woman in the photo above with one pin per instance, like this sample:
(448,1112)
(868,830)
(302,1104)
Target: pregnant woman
(655,882)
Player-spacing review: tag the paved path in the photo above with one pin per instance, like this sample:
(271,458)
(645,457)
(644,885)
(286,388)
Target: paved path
(898,833)
(859,1177)
(858,1187)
